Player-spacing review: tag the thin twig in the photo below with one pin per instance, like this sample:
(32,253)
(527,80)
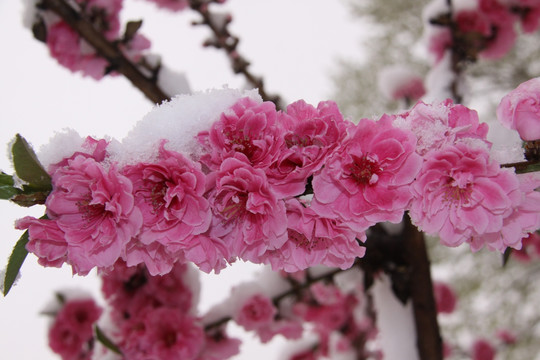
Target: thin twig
(223,39)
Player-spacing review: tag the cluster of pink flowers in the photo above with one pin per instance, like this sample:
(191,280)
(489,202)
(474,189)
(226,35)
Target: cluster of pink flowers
(72,52)
(155,317)
(488,26)
(71,334)
(292,189)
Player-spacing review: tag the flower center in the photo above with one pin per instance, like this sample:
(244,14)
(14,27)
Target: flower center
(364,170)
(457,191)
(157,195)
(302,241)
(235,206)
(90,211)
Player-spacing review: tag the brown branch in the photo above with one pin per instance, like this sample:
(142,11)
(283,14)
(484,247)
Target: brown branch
(428,337)
(106,49)
(223,39)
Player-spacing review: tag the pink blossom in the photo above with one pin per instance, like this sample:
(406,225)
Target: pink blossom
(132,290)
(311,134)
(482,350)
(520,110)
(439,124)
(247,215)
(95,209)
(290,329)
(530,248)
(91,148)
(169,194)
(523,219)
(367,179)
(314,240)
(445,298)
(256,312)
(506,336)
(529,12)
(218,346)
(164,333)
(460,194)
(439,41)
(64,46)
(249,128)
(72,330)
(208,253)
(45,240)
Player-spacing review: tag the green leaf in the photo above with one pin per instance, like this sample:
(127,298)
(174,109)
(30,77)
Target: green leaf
(27,166)
(7,190)
(15,262)
(105,341)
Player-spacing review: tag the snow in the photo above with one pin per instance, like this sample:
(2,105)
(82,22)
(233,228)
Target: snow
(395,323)
(173,82)
(439,80)
(178,121)
(62,145)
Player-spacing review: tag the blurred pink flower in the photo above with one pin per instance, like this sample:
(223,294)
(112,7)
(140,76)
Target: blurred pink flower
(482,350)
(164,333)
(445,298)
(520,110)
(367,179)
(257,311)
(460,194)
(72,330)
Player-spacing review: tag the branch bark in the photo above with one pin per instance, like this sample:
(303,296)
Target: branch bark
(428,337)
(107,50)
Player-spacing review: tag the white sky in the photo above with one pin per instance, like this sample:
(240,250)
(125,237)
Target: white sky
(293,43)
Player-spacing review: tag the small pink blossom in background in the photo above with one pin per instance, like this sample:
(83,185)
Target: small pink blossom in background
(219,346)
(72,329)
(256,312)
(132,290)
(45,240)
(460,194)
(438,42)
(289,329)
(530,16)
(173,5)
(502,34)
(164,333)
(506,336)
(248,127)
(530,248)
(95,209)
(247,215)
(445,298)
(314,240)
(169,193)
(310,135)
(520,110)
(401,83)
(482,350)
(367,179)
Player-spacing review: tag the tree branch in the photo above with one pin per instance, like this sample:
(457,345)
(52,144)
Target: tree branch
(110,51)
(428,337)
(223,39)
